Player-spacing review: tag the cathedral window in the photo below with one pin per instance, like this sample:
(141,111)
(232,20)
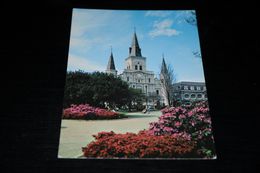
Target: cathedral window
(135,67)
(141,68)
(146,89)
(149,80)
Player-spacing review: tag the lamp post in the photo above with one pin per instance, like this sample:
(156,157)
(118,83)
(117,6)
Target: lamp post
(146,93)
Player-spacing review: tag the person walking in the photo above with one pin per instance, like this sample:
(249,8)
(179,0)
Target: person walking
(148,109)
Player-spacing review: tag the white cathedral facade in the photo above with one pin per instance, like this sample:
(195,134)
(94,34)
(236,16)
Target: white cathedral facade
(138,76)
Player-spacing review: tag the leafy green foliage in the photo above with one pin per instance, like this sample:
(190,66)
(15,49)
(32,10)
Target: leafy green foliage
(96,89)
(136,99)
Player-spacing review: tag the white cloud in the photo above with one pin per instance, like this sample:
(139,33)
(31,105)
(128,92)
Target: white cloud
(86,20)
(90,28)
(82,45)
(158,13)
(82,63)
(163,24)
(163,28)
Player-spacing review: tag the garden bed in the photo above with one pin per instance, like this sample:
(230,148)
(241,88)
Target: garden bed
(180,132)
(87,112)
(141,145)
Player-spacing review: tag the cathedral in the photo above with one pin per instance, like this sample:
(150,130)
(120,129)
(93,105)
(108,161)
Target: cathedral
(137,76)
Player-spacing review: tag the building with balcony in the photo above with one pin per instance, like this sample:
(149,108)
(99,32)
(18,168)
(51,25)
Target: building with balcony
(190,91)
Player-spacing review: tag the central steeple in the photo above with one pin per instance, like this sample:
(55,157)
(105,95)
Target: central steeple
(135,50)
(135,61)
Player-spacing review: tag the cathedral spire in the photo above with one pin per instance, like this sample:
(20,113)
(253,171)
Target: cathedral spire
(111,64)
(135,50)
(163,67)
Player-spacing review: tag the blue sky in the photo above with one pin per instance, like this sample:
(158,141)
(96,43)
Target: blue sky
(93,32)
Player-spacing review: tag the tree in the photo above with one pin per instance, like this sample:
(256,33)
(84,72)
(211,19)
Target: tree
(110,89)
(78,88)
(136,99)
(191,19)
(167,77)
(95,89)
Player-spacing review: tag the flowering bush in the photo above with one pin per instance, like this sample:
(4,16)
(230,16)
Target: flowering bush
(141,145)
(84,111)
(181,132)
(192,123)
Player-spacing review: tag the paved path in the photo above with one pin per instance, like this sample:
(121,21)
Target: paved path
(76,134)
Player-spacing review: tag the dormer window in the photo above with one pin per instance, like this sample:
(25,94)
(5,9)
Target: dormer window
(135,67)
(140,67)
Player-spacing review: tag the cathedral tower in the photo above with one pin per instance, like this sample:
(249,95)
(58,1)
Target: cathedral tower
(138,77)
(135,60)
(165,82)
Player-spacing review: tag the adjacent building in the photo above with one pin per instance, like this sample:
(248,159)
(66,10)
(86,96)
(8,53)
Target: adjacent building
(189,91)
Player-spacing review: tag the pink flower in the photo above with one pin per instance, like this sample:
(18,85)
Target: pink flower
(167,115)
(177,124)
(167,129)
(182,116)
(190,114)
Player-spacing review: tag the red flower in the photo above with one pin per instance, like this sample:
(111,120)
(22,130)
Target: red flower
(130,145)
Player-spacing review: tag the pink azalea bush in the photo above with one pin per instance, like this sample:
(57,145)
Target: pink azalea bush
(193,123)
(180,132)
(85,111)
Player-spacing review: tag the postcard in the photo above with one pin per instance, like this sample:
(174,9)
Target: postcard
(135,87)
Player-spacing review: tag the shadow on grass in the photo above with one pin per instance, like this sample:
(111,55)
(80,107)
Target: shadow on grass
(122,115)
(141,115)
